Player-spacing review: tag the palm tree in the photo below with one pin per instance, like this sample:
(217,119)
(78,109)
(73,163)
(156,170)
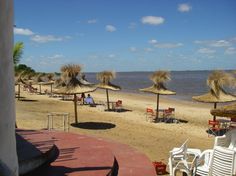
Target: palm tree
(17,52)
(105,77)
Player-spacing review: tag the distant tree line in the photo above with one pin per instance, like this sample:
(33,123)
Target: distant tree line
(17,55)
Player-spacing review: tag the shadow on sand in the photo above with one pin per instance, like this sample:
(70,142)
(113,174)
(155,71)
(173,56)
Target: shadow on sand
(94,125)
(28,100)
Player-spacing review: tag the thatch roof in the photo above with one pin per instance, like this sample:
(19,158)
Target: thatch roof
(105,77)
(109,86)
(210,97)
(158,90)
(74,87)
(225,111)
(216,81)
(158,78)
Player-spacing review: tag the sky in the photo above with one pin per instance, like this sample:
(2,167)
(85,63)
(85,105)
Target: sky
(127,35)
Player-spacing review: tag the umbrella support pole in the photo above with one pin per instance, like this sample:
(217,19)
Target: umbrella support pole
(18,91)
(40,89)
(157,109)
(51,89)
(215,105)
(75,106)
(108,106)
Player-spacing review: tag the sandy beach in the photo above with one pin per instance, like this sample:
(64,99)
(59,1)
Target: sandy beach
(130,127)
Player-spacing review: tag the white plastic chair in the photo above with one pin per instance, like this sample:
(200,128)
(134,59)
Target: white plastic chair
(223,162)
(180,154)
(228,140)
(187,167)
(204,163)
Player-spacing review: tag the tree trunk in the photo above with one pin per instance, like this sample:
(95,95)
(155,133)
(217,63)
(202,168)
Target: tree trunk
(8,155)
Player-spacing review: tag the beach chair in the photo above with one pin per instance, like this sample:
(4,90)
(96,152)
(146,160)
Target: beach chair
(169,115)
(187,167)
(182,154)
(118,106)
(213,128)
(204,163)
(223,162)
(228,140)
(150,115)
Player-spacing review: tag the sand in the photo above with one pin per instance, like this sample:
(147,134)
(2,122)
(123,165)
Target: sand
(130,127)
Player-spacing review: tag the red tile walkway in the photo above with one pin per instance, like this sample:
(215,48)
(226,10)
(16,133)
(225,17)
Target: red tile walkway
(82,155)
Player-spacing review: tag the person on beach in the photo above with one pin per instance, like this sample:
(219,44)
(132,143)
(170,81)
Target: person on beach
(89,100)
(82,97)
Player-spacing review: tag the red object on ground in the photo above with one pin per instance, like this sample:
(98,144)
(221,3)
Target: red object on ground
(160,167)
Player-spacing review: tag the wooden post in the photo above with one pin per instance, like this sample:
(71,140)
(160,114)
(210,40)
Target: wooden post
(18,92)
(108,105)
(75,106)
(215,105)
(157,110)
(8,154)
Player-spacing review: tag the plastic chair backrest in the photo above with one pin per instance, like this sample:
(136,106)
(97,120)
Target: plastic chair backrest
(213,122)
(171,109)
(150,110)
(222,161)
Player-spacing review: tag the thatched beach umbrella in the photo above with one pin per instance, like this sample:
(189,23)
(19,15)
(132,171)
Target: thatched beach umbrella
(105,77)
(159,78)
(39,80)
(72,86)
(225,111)
(19,82)
(50,81)
(217,94)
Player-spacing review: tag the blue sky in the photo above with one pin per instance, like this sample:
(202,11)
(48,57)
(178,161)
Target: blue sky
(127,35)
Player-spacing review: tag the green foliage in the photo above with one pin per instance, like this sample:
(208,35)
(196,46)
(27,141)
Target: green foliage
(23,68)
(17,52)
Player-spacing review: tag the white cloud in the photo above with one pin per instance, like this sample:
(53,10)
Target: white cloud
(220,43)
(184,7)
(153,41)
(206,51)
(214,43)
(56,56)
(132,25)
(46,38)
(21,31)
(230,51)
(92,21)
(111,55)
(148,49)
(56,59)
(133,49)
(110,28)
(168,45)
(152,20)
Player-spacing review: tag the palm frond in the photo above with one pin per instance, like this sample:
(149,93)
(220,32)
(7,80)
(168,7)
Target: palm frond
(106,76)
(17,52)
